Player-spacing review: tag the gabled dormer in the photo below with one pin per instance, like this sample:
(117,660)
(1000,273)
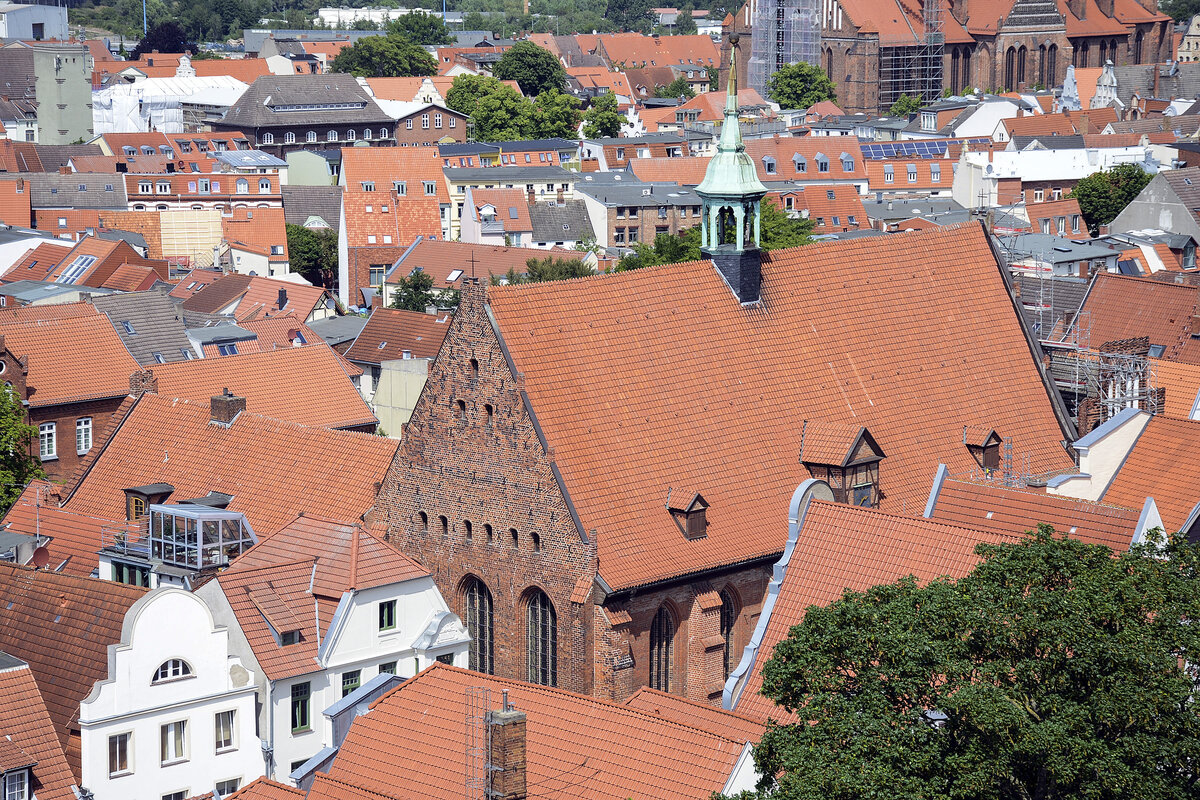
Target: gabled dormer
(984,446)
(689,511)
(844,456)
(138,499)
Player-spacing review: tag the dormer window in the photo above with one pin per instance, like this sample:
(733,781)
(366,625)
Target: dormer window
(16,784)
(928,121)
(800,163)
(984,446)
(289,637)
(690,514)
(844,456)
(768,165)
(173,670)
(139,498)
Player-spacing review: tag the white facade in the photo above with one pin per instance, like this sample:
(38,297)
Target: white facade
(1101,454)
(425,631)
(37,22)
(135,701)
(978,173)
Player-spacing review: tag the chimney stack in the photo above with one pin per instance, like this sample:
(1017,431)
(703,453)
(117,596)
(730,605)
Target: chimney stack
(226,407)
(506,778)
(281,302)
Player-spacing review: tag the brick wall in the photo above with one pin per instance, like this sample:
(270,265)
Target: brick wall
(433,134)
(360,261)
(65,417)
(649,224)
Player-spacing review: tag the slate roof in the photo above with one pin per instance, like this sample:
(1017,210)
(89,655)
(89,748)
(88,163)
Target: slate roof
(1122,307)
(843,547)
(277,580)
(576,746)
(1160,466)
(624,390)
(51,190)
(307,385)
(156,321)
(302,202)
(256,107)
(29,734)
(71,360)
(391,331)
(566,221)
(280,469)
(62,625)
(338,330)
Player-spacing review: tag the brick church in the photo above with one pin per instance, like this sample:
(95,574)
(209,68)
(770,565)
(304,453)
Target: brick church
(598,471)
(868,46)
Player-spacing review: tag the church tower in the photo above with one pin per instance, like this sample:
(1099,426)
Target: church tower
(731,226)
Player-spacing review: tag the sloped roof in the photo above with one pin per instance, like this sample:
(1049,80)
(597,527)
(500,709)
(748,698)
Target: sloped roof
(624,388)
(438,259)
(1181,385)
(40,261)
(28,729)
(512,208)
(384,214)
(16,315)
(62,625)
(384,165)
(391,331)
(843,547)
(131,278)
(1123,307)
(687,171)
(266,789)
(257,228)
(280,468)
(302,202)
(75,538)
(695,714)
(156,321)
(251,296)
(1160,466)
(559,222)
(635,49)
(281,332)
(256,107)
(298,384)
(784,149)
(71,360)
(1039,125)
(576,746)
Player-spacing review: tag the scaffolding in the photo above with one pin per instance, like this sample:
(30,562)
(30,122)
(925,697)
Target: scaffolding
(479,742)
(785,32)
(914,69)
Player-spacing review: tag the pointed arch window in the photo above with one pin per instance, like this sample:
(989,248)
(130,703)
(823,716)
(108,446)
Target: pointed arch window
(728,618)
(662,645)
(478,603)
(541,640)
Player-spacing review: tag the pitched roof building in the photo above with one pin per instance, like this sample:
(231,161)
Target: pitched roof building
(31,756)
(391,333)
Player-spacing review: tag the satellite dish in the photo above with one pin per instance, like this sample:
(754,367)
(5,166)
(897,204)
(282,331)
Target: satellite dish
(41,558)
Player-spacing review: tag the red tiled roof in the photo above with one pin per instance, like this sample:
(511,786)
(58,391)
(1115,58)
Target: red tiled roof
(1000,509)
(384,165)
(249,297)
(846,547)
(659,377)
(282,331)
(131,278)
(1160,466)
(298,384)
(71,360)
(1039,125)
(75,538)
(1181,384)
(16,315)
(266,789)
(30,736)
(280,468)
(636,49)
(257,228)
(877,170)
(1121,307)
(842,212)
(391,220)
(62,625)
(438,258)
(41,260)
(505,201)
(686,171)
(696,715)
(413,743)
(391,331)
(194,281)
(784,149)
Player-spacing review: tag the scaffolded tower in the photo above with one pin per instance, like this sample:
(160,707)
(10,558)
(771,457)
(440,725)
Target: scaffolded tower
(914,69)
(785,32)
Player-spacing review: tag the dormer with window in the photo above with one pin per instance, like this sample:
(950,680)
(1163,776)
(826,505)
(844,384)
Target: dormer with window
(928,121)
(690,512)
(799,162)
(139,498)
(194,537)
(844,456)
(984,446)
(768,165)
(15,781)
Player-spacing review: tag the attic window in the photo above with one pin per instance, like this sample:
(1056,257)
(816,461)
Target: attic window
(289,637)
(844,456)
(690,514)
(984,446)
(128,326)
(1156,350)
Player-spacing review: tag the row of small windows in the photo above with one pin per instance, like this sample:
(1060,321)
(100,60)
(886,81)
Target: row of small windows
(204,186)
(800,163)
(459,409)
(174,745)
(468,528)
(330,136)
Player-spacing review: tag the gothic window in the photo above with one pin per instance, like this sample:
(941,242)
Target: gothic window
(478,603)
(1138,41)
(541,640)
(1010,67)
(1103,52)
(662,635)
(1021,52)
(728,617)
(1051,73)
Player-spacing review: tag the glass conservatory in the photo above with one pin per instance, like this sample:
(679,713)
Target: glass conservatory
(196,537)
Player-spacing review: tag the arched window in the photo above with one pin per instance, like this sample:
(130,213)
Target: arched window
(350,135)
(1083,54)
(1051,74)
(477,601)
(171,670)
(829,63)
(367,133)
(662,644)
(424,520)
(966,69)
(1010,68)
(311,136)
(541,640)
(954,68)
(1103,52)
(264,186)
(1042,63)
(331,136)
(1112,50)
(268,138)
(728,617)
(1138,40)
(243,186)
(383,133)
(289,138)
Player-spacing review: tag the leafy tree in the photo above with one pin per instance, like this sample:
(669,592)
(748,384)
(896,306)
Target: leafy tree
(685,25)
(414,293)
(714,79)
(907,104)
(313,253)
(18,464)
(555,114)
(1104,195)
(800,85)
(535,69)
(421,28)
(630,15)
(555,269)
(1181,10)
(465,91)
(676,88)
(364,24)
(388,56)
(603,119)
(502,115)
(166,37)
(1054,670)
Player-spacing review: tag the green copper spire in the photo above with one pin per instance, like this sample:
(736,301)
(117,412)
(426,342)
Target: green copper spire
(731,173)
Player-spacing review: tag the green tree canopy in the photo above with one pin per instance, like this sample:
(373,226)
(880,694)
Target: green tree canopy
(502,115)
(534,68)
(465,91)
(539,270)
(422,28)
(313,253)
(165,37)
(555,114)
(603,119)
(907,104)
(676,88)
(800,85)
(415,292)
(1054,670)
(388,56)
(1103,195)
(685,25)
(18,464)
(1181,10)
(630,15)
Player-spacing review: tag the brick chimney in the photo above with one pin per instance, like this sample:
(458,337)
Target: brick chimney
(281,301)
(226,407)
(506,778)
(143,381)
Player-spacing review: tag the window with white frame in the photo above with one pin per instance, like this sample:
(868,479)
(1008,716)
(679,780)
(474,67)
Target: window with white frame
(401,188)
(383,133)
(173,742)
(16,785)
(47,440)
(226,788)
(351,135)
(311,136)
(224,724)
(437,120)
(430,188)
(1039,195)
(163,187)
(243,186)
(889,173)
(331,136)
(172,669)
(268,138)
(408,126)
(452,121)
(424,121)
(83,435)
(912,173)
(119,754)
(264,186)
(935,173)
(289,138)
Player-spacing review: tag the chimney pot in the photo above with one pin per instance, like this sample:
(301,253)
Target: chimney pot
(226,406)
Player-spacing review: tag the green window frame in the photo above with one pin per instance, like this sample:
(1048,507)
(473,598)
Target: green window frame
(301,701)
(387,615)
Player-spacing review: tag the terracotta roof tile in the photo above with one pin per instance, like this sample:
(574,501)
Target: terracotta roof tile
(284,331)
(506,202)
(249,297)
(17,315)
(74,538)
(62,625)
(71,360)
(1121,307)
(810,149)
(634,49)
(30,737)
(438,259)
(266,789)
(845,547)
(281,468)
(258,228)
(131,278)
(687,171)
(298,384)
(661,374)
(577,746)
(1160,466)
(383,219)
(831,208)
(385,165)
(1181,385)
(390,331)
(1039,125)
(41,259)
(696,715)
(194,281)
